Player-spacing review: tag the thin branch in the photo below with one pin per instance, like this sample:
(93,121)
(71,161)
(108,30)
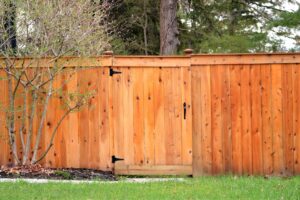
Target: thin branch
(39,133)
(55,131)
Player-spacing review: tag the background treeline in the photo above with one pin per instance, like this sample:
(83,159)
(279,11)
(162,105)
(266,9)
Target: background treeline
(207,26)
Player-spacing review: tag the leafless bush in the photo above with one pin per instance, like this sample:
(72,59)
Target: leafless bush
(37,29)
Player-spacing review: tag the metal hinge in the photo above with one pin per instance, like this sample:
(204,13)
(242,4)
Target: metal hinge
(112,72)
(114,159)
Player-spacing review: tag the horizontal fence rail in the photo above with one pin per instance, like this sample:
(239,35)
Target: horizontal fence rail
(194,114)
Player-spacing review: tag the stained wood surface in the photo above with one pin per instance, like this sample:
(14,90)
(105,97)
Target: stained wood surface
(242,115)
(152,131)
(256,118)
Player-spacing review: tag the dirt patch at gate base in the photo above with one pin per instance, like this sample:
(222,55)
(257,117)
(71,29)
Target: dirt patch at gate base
(38,172)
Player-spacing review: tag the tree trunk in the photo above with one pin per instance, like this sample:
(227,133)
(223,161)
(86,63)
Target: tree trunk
(10,27)
(168,27)
(11,120)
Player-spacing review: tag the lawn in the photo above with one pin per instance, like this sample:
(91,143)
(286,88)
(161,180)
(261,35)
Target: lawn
(226,187)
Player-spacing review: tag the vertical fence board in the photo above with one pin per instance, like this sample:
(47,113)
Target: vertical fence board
(83,118)
(287,102)
(278,155)
(3,131)
(187,122)
(73,140)
(138,114)
(235,90)
(226,118)
(246,119)
(148,116)
(256,125)
(216,119)
(267,133)
(105,137)
(205,96)
(296,117)
(176,116)
(169,113)
(128,115)
(198,145)
(159,112)
(93,106)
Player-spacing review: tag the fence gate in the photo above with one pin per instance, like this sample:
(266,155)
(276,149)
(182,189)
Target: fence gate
(151,120)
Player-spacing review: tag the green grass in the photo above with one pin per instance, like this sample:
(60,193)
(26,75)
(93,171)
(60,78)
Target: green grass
(226,187)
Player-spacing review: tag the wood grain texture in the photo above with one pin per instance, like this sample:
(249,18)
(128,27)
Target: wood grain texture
(242,116)
(236,115)
(296,117)
(216,119)
(197,139)
(267,132)
(278,154)
(256,120)
(246,119)
(205,101)
(287,102)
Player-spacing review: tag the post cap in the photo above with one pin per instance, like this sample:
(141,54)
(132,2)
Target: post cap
(188,51)
(108,53)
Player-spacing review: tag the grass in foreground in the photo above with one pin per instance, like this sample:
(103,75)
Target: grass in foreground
(226,187)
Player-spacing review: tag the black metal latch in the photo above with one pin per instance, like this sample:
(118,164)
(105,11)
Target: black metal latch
(112,72)
(114,159)
(184,110)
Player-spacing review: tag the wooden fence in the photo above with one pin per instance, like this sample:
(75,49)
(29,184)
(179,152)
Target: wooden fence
(193,114)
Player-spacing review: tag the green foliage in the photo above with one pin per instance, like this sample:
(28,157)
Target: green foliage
(242,43)
(288,19)
(206,26)
(63,174)
(288,25)
(228,26)
(130,18)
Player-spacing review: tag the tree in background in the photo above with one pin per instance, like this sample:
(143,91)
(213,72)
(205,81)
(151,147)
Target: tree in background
(38,29)
(137,26)
(229,25)
(168,27)
(204,25)
(288,25)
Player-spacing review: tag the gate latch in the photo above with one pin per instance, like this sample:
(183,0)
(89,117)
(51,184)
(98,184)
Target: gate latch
(184,110)
(114,159)
(112,72)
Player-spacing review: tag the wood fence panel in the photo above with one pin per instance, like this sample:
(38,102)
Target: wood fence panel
(160,134)
(218,113)
(261,133)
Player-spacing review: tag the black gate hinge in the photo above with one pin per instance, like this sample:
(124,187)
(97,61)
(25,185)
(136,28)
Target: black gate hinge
(114,159)
(112,72)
